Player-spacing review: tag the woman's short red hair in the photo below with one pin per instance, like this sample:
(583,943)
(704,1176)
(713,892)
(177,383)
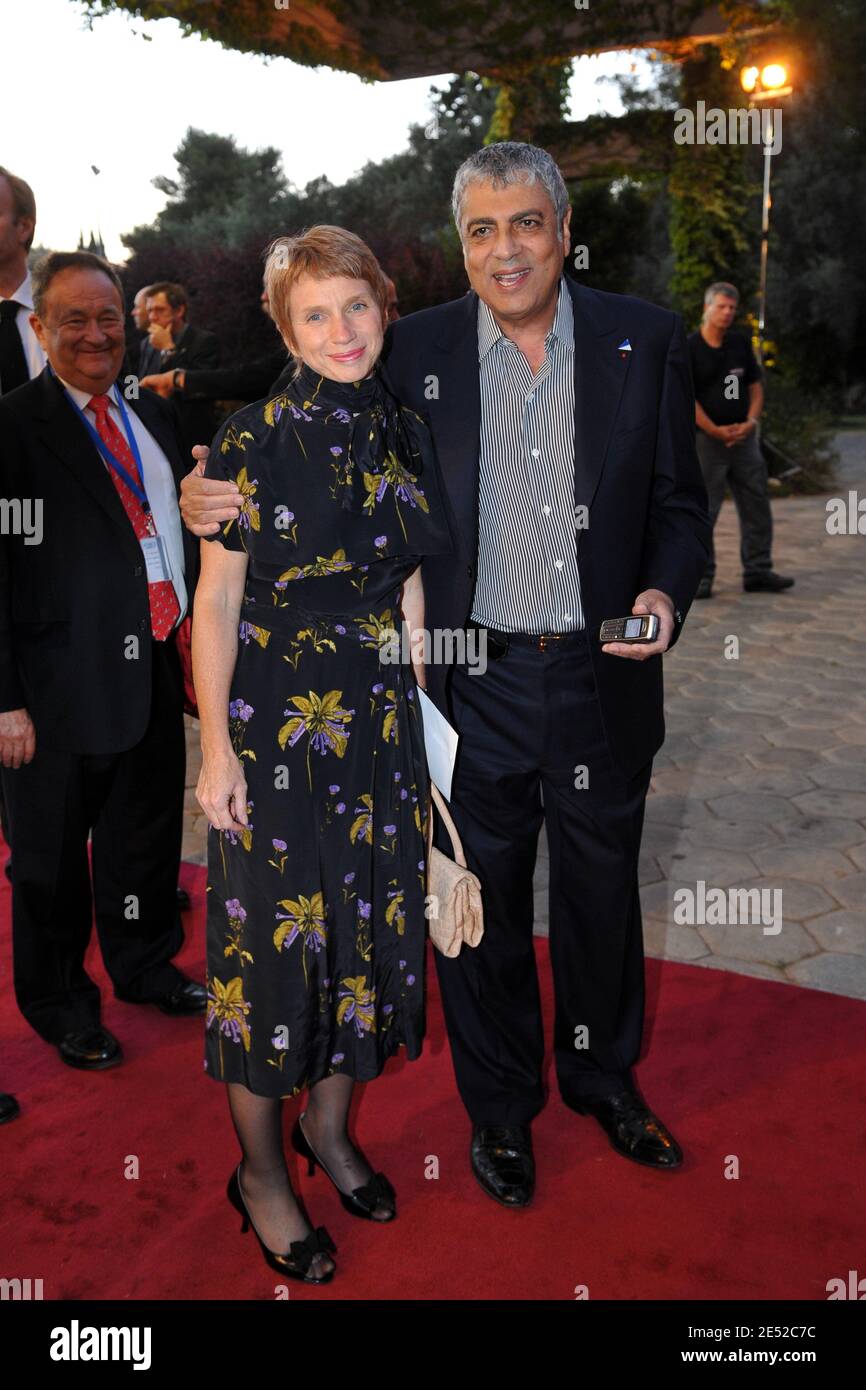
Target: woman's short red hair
(323,252)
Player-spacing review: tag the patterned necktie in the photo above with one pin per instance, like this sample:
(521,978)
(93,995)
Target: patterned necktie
(164,607)
(13,363)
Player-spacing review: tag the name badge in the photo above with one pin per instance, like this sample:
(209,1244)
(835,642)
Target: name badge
(156,558)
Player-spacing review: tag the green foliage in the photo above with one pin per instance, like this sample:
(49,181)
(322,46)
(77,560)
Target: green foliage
(799,422)
(531,96)
(711,196)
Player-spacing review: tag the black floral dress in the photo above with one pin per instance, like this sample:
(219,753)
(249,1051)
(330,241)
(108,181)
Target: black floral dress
(315,913)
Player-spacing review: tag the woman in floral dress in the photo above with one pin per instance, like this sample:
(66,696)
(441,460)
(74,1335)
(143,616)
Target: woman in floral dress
(313,775)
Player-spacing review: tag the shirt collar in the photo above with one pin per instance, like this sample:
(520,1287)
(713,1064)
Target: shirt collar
(23,294)
(489,332)
(83,398)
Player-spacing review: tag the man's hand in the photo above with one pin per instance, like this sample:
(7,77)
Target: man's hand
(17,738)
(160,336)
(737,433)
(160,382)
(650,601)
(205,502)
(726,433)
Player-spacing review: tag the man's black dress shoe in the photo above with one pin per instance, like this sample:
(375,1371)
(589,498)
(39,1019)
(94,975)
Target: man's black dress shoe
(186,997)
(770,583)
(633,1129)
(502,1162)
(9,1108)
(92,1049)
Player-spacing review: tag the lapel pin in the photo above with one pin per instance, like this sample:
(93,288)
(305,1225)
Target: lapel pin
(624,348)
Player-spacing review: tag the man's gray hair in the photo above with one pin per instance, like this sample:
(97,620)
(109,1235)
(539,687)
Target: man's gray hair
(511,161)
(721,287)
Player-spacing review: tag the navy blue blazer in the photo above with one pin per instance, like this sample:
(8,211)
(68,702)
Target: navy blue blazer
(636,471)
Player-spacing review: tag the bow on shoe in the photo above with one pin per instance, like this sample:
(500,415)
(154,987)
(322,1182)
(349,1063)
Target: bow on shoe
(317,1242)
(377,1190)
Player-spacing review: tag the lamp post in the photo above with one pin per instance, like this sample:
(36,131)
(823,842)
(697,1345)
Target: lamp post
(765,84)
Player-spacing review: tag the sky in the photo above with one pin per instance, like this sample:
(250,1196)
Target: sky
(121,95)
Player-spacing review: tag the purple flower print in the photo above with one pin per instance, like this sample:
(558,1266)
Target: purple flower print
(333,789)
(340,807)
(397,776)
(238,709)
(364,909)
(357,1005)
(388,1009)
(278,844)
(378,688)
(336,450)
(410,979)
(235,911)
(350,878)
(279,1042)
(390,829)
(381,540)
(337,1058)
(338,627)
(403,794)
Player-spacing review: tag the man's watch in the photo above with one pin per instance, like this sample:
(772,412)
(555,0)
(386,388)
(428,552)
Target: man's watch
(175,386)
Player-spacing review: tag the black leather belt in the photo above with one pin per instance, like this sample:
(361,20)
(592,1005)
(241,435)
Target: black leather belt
(498,641)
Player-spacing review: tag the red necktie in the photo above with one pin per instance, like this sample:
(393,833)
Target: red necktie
(164,607)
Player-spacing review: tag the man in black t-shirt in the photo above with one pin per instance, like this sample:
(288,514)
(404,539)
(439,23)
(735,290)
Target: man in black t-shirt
(729,398)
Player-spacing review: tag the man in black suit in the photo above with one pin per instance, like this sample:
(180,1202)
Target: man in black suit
(173,345)
(564,426)
(96,574)
(243,381)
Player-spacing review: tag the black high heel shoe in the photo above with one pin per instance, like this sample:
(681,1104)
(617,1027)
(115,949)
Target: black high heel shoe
(299,1257)
(362,1201)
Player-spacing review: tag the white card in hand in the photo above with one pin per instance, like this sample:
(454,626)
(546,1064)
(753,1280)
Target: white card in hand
(440,743)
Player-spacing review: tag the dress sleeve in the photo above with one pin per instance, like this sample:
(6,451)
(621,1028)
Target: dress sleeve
(226,463)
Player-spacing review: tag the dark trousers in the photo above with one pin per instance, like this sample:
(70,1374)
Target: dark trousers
(527,726)
(131,804)
(743,467)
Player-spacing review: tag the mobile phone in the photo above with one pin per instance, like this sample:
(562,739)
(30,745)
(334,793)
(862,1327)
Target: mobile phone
(636,628)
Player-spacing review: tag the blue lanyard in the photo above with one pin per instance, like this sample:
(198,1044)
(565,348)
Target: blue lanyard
(133,485)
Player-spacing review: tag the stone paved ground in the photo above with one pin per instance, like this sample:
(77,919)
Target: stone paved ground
(762,778)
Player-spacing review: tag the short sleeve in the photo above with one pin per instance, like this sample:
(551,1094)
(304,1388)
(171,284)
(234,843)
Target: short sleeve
(225,463)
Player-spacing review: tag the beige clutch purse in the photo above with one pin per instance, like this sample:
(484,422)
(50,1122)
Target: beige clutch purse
(454,892)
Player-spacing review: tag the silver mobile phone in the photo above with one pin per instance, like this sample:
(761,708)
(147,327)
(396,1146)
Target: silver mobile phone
(637,628)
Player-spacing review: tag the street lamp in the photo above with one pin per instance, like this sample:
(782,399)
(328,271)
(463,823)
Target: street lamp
(764,84)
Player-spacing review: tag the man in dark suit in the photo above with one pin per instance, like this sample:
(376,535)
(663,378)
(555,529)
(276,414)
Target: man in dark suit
(564,426)
(173,345)
(21,358)
(96,574)
(243,381)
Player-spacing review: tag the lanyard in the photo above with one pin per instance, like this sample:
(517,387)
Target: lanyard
(136,488)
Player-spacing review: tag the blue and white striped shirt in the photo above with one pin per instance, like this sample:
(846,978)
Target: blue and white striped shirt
(527,563)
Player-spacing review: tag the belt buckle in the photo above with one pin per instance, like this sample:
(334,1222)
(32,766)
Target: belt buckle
(546,637)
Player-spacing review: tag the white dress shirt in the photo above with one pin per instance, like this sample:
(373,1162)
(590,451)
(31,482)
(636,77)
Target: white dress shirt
(33,353)
(159,483)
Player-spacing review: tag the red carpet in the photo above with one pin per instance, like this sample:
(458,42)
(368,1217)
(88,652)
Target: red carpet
(736,1066)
